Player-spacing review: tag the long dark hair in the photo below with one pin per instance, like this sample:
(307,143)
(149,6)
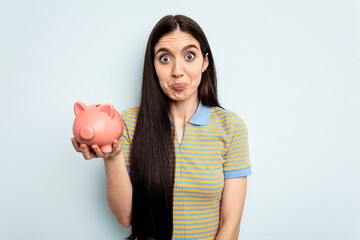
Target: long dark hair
(152,154)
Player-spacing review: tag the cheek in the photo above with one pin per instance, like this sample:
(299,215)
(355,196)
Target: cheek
(195,73)
(163,85)
(162,76)
(161,72)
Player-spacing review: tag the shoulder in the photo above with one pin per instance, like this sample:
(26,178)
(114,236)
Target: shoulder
(130,114)
(130,111)
(225,115)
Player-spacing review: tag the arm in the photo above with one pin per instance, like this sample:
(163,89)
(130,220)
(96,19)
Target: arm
(119,189)
(231,208)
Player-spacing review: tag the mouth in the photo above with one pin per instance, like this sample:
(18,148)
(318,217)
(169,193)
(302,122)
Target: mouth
(179,86)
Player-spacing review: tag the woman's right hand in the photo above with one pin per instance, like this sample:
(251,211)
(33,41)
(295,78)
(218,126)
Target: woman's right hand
(96,153)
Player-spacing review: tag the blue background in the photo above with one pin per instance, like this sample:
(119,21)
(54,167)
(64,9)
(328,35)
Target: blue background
(289,69)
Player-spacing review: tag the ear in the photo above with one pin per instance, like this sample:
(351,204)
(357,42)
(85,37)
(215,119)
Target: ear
(79,107)
(205,63)
(108,109)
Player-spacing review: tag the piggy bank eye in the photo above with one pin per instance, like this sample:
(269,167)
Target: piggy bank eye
(97,105)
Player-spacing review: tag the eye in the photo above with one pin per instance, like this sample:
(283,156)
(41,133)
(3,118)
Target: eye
(164,58)
(190,56)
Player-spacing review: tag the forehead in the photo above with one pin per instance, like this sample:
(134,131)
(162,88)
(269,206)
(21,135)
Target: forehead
(177,38)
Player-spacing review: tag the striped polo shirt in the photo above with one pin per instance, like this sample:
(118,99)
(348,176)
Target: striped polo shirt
(214,147)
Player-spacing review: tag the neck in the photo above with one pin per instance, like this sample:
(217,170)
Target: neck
(183,111)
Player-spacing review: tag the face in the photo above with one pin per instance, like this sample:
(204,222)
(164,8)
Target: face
(179,65)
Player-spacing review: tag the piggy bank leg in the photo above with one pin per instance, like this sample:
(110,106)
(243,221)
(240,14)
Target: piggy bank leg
(106,148)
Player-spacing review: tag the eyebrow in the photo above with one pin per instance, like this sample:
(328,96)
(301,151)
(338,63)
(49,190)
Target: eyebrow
(167,50)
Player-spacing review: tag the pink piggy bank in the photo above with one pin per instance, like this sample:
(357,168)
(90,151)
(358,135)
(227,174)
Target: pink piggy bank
(97,124)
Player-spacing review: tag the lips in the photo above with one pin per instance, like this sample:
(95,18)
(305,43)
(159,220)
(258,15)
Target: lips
(179,86)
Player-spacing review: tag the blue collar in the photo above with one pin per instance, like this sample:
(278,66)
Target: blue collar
(201,116)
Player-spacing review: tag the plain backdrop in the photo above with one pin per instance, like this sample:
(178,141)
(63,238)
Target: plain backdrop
(289,69)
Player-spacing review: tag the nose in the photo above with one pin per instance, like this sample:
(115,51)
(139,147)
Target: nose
(87,133)
(177,70)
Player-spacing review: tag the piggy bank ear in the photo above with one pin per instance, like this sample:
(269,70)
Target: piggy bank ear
(79,107)
(108,109)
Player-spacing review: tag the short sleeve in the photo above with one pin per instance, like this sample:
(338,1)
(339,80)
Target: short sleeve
(125,142)
(237,161)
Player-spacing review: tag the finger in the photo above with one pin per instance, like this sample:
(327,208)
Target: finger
(97,151)
(116,146)
(85,151)
(76,140)
(75,144)
(92,153)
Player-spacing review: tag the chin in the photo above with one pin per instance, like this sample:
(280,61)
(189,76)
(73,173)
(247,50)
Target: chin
(175,98)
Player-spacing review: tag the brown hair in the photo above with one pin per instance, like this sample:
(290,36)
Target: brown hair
(152,154)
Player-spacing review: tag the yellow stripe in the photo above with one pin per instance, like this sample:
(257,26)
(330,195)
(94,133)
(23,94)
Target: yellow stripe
(197,185)
(197,207)
(209,238)
(240,137)
(219,125)
(202,181)
(199,221)
(133,125)
(199,166)
(196,231)
(205,129)
(197,190)
(201,161)
(194,151)
(194,212)
(204,138)
(200,216)
(132,129)
(200,171)
(199,176)
(213,119)
(199,203)
(130,119)
(202,147)
(236,168)
(243,134)
(217,195)
(238,154)
(207,133)
(236,163)
(195,198)
(202,157)
(204,143)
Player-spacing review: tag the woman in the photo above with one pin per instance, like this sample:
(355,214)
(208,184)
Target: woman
(186,156)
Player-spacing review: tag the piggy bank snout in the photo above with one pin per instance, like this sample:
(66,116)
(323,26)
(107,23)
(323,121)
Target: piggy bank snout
(87,133)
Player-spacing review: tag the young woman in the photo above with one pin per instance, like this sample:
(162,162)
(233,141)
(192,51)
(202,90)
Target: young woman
(179,170)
